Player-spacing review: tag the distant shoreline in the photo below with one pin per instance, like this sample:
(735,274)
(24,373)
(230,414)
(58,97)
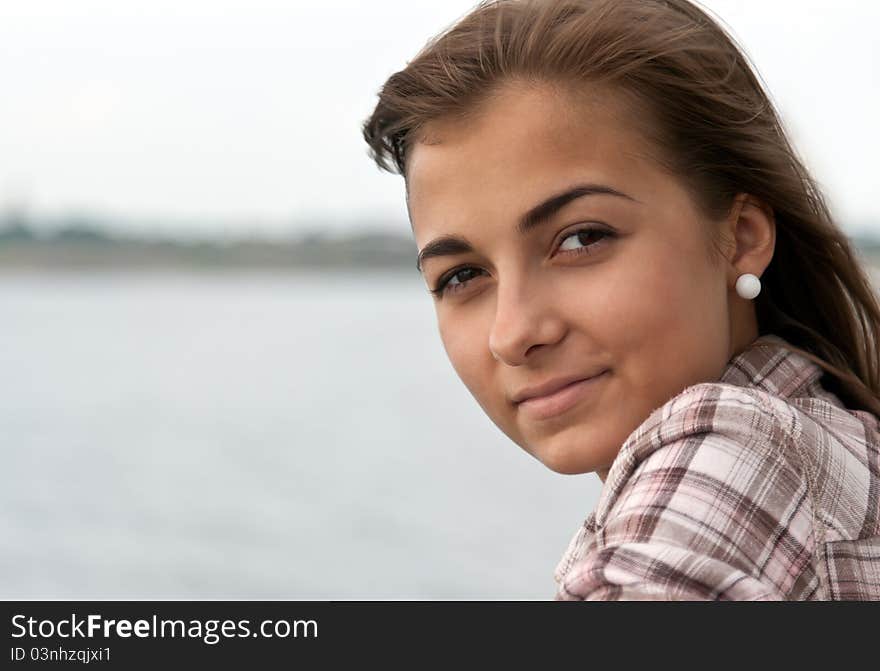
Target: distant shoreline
(202,258)
(84,249)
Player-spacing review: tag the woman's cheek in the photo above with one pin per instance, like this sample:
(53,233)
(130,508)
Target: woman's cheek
(467,350)
(652,291)
(626,301)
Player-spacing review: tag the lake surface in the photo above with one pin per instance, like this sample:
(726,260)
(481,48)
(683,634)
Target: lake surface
(258,436)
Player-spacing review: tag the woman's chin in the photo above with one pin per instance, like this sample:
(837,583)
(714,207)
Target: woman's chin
(567,461)
(572,451)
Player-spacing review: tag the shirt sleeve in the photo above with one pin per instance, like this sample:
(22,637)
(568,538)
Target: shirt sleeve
(717,515)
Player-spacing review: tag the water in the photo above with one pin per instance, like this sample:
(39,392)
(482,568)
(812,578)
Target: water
(258,436)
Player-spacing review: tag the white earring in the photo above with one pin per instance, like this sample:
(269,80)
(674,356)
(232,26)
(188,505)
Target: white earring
(748,286)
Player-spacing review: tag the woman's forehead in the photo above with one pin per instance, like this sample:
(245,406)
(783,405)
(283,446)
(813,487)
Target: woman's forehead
(523,144)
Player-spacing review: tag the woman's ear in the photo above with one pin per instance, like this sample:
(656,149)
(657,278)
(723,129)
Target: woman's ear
(752,230)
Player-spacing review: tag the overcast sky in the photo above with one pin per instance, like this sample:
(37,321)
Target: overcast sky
(219,110)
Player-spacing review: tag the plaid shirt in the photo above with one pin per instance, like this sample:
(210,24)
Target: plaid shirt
(761,486)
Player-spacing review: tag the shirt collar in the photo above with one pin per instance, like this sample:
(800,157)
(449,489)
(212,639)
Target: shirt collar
(768,364)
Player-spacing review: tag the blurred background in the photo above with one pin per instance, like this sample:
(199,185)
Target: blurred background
(221,372)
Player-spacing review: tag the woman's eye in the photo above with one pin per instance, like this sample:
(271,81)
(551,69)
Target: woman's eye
(583,240)
(455,281)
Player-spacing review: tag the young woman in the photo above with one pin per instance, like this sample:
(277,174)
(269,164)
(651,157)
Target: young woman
(635,275)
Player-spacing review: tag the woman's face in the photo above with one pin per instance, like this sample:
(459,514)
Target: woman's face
(564,251)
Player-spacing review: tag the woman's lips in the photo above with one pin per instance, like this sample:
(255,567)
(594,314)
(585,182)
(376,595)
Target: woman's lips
(551,405)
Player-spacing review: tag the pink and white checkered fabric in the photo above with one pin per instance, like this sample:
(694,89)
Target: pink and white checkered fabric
(761,486)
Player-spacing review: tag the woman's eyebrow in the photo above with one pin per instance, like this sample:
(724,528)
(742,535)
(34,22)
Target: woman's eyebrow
(450,245)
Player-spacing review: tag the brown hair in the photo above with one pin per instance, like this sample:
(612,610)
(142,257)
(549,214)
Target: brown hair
(710,118)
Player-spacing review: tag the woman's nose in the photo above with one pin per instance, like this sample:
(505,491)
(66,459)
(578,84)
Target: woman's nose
(525,318)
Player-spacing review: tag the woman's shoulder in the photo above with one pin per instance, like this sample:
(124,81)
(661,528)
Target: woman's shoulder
(758,485)
(712,431)
(698,504)
(747,442)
